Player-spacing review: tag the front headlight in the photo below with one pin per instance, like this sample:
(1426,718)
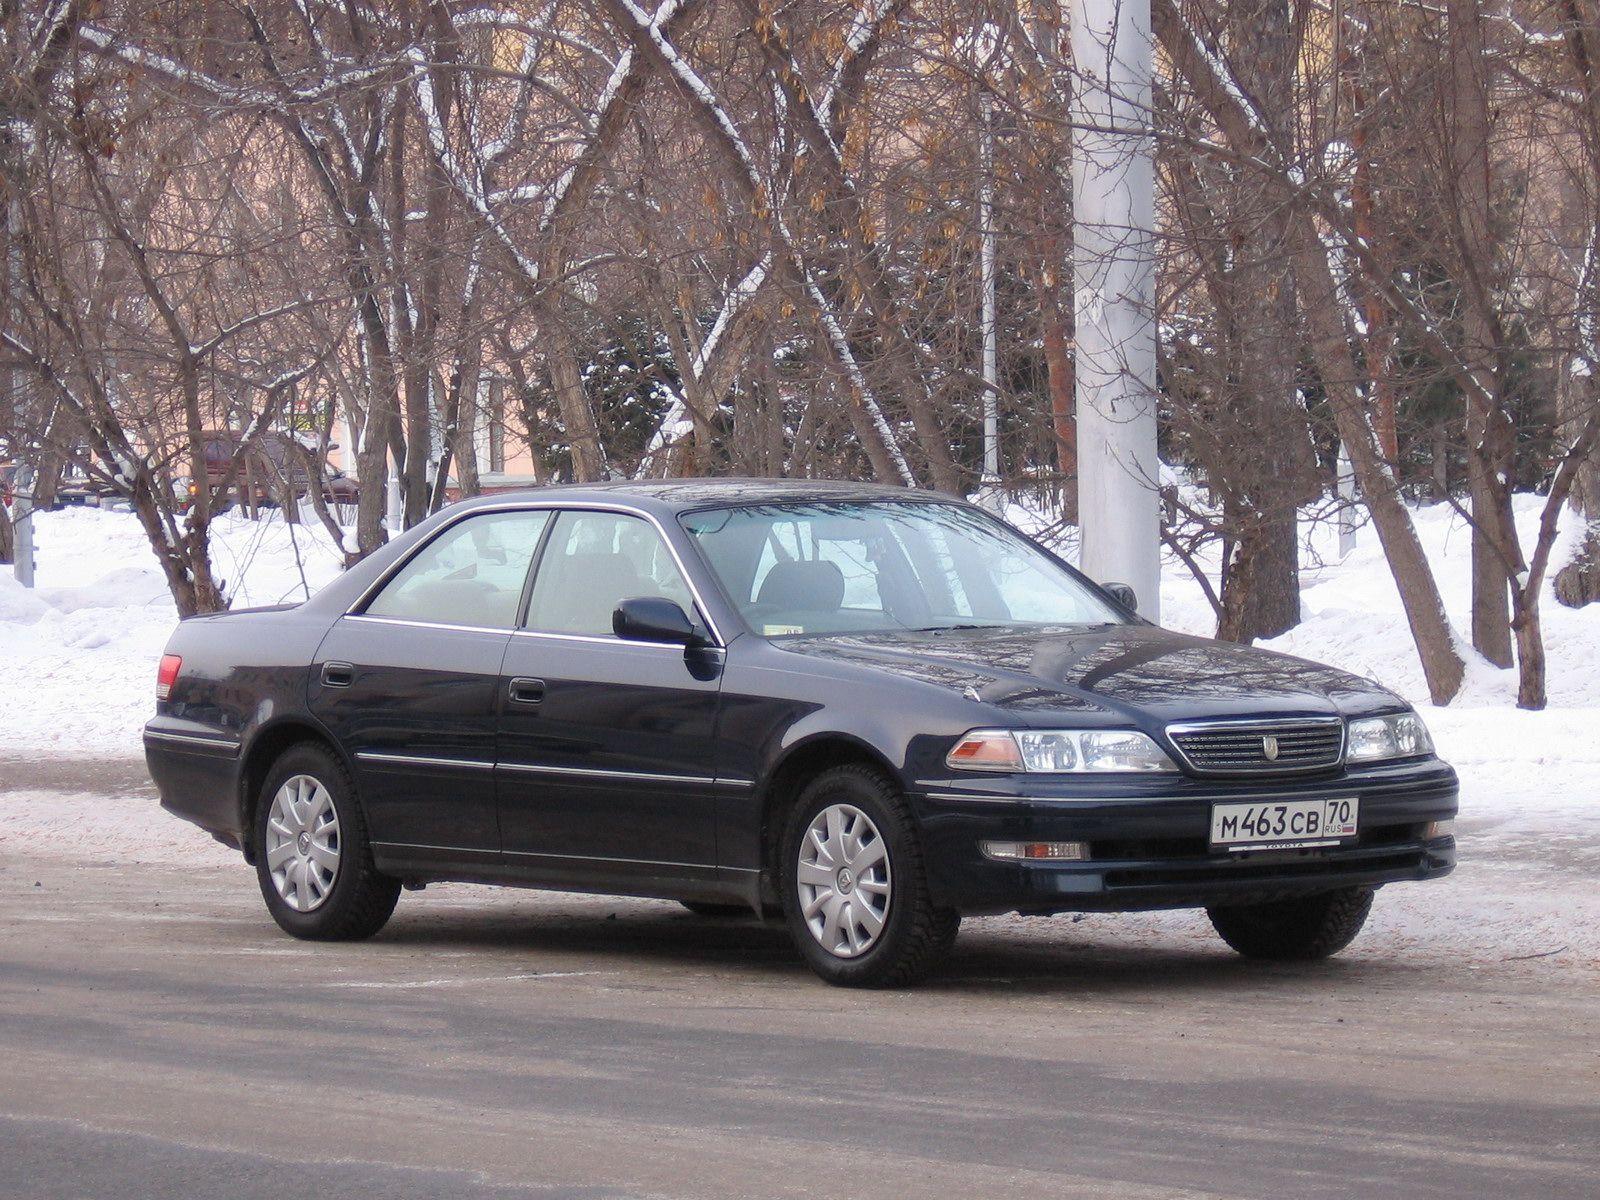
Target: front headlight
(1399,735)
(1053,751)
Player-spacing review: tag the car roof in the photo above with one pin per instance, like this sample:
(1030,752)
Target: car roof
(681,495)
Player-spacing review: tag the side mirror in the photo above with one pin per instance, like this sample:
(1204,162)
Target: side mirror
(653,619)
(1122,594)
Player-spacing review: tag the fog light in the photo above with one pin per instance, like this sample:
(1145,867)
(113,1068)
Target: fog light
(1037,851)
(1439,829)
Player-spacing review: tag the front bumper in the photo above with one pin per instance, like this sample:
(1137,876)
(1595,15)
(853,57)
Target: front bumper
(1149,839)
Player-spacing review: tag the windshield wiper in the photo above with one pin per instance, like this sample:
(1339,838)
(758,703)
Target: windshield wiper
(957,625)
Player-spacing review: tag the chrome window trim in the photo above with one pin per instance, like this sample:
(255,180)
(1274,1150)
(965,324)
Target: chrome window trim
(419,760)
(557,507)
(499,631)
(1225,724)
(606,641)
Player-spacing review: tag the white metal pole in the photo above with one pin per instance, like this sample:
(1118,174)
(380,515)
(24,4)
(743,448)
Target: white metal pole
(394,517)
(22,525)
(1114,280)
(991,378)
(1347,503)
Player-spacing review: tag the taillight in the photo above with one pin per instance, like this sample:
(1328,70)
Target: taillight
(167,675)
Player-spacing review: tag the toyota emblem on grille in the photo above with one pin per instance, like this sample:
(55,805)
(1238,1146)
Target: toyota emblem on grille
(1269,747)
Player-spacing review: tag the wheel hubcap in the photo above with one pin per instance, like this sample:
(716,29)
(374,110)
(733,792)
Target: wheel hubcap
(303,842)
(843,880)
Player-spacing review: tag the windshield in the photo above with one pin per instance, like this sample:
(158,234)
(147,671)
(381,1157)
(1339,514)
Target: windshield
(886,565)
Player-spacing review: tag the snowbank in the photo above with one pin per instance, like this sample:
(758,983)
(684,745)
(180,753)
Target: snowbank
(78,654)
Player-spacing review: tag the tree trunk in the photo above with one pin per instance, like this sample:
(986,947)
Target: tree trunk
(1261,598)
(583,437)
(1578,582)
(47,481)
(1440,464)
(1056,328)
(470,417)
(372,456)
(1466,110)
(1321,308)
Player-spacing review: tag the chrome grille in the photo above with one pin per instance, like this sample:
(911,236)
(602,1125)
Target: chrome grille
(1260,747)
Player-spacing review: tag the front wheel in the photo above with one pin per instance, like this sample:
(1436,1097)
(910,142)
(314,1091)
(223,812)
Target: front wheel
(855,888)
(313,859)
(1301,929)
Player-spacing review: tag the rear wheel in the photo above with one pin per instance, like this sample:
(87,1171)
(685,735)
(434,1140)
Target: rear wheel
(1286,930)
(855,888)
(313,859)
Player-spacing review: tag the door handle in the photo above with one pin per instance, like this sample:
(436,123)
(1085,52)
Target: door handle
(527,691)
(338,674)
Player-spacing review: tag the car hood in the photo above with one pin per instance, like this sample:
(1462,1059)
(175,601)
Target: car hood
(1041,674)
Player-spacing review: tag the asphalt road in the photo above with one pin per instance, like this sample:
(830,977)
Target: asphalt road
(160,1037)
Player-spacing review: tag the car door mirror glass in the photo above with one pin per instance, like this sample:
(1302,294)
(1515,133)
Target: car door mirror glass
(1123,594)
(653,619)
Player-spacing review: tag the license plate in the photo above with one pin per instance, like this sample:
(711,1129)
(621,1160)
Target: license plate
(1284,825)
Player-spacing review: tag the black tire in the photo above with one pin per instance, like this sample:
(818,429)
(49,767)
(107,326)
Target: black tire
(702,908)
(361,899)
(1305,928)
(916,936)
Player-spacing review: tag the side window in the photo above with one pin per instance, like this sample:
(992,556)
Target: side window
(594,561)
(472,574)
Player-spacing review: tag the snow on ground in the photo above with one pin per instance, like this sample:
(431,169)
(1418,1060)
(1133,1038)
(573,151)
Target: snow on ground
(77,680)
(78,655)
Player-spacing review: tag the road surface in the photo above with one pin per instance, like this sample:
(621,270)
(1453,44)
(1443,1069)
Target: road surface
(160,1037)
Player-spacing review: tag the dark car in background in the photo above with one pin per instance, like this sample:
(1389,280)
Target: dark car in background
(869,710)
(263,470)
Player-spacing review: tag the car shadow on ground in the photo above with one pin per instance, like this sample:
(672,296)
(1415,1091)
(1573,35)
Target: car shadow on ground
(1071,959)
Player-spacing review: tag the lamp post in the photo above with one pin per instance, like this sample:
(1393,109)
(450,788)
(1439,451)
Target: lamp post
(991,374)
(1113,177)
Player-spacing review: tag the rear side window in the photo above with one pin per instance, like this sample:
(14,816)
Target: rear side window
(596,560)
(471,574)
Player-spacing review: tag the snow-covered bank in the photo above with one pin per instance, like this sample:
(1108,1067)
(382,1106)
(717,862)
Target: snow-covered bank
(78,654)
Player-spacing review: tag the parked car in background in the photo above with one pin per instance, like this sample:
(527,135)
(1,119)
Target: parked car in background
(872,710)
(79,488)
(73,488)
(263,470)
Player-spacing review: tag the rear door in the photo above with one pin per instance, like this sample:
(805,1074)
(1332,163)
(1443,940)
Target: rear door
(410,686)
(607,747)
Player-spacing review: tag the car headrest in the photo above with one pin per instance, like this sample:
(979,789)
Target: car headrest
(810,586)
(592,585)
